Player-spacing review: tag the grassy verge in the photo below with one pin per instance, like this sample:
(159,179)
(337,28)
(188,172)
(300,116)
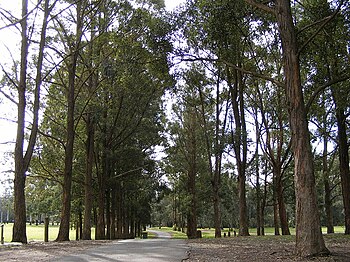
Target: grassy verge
(210,232)
(174,234)
(36,233)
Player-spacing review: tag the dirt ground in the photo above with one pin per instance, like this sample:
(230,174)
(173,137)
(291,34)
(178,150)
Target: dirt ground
(41,251)
(250,249)
(267,248)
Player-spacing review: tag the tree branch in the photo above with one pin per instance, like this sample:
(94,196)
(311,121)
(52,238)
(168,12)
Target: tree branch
(260,6)
(245,71)
(321,88)
(326,21)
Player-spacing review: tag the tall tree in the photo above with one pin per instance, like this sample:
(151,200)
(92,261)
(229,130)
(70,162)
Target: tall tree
(338,96)
(277,147)
(309,239)
(329,59)
(22,160)
(63,234)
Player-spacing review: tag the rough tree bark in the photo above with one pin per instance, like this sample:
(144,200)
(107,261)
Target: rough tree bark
(343,153)
(239,142)
(191,176)
(90,127)
(327,187)
(19,227)
(309,239)
(280,200)
(22,161)
(63,234)
(216,171)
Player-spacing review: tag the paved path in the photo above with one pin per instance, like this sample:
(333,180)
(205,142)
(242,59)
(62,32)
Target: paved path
(160,249)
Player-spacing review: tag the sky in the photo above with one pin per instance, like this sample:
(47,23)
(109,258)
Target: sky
(171,4)
(7,109)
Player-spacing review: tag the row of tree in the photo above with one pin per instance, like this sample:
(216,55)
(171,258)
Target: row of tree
(95,73)
(257,76)
(252,77)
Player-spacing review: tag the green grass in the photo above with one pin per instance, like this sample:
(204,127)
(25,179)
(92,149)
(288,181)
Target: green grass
(36,233)
(174,234)
(210,233)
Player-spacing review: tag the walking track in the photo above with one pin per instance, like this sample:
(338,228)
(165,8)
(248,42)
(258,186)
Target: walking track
(159,249)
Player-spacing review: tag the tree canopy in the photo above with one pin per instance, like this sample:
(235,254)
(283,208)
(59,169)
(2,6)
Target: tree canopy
(216,114)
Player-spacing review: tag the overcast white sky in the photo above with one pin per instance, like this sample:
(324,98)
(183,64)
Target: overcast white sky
(171,4)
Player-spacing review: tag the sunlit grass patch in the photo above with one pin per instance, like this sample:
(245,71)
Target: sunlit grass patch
(174,233)
(36,233)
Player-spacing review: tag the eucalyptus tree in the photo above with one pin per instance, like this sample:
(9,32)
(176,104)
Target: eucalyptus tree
(186,135)
(215,31)
(73,45)
(321,116)
(115,86)
(276,145)
(187,161)
(134,78)
(328,58)
(309,240)
(181,164)
(28,93)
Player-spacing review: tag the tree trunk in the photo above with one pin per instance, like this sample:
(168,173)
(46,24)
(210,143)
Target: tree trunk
(239,141)
(216,171)
(22,162)
(119,210)
(100,226)
(343,156)
(216,204)
(63,234)
(309,239)
(108,214)
(191,179)
(113,212)
(19,227)
(258,206)
(243,220)
(263,204)
(280,200)
(88,177)
(327,188)
(275,209)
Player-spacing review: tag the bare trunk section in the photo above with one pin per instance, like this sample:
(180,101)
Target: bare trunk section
(309,239)
(191,177)
(239,141)
(275,209)
(63,234)
(119,210)
(343,155)
(90,126)
(280,200)
(100,226)
(22,162)
(216,171)
(113,211)
(327,188)
(19,227)
(325,173)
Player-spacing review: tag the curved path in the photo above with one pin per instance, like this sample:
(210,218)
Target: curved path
(160,249)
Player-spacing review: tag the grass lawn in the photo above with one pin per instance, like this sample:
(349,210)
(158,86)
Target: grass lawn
(210,233)
(36,233)
(174,233)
